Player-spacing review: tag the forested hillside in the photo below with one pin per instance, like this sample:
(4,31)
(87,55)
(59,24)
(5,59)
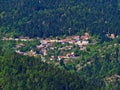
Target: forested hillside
(59,44)
(97,68)
(45,18)
(29,73)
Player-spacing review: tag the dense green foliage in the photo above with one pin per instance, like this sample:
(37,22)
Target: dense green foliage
(28,73)
(45,18)
(96,68)
(89,72)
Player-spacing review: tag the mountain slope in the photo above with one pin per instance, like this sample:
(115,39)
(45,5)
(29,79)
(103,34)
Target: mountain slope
(45,18)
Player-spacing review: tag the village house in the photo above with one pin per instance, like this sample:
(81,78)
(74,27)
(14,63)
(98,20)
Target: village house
(32,53)
(69,47)
(40,46)
(52,41)
(52,58)
(61,57)
(79,43)
(67,56)
(84,38)
(87,34)
(22,38)
(43,58)
(44,51)
(77,38)
(71,42)
(20,45)
(112,36)
(85,42)
(44,42)
(19,52)
(5,38)
(11,38)
(16,39)
(70,55)
(52,48)
(63,41)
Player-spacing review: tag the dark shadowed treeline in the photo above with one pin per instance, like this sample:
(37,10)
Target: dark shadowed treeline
(44,18)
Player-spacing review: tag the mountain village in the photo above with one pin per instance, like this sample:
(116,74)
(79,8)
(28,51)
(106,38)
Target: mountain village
(54,49)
